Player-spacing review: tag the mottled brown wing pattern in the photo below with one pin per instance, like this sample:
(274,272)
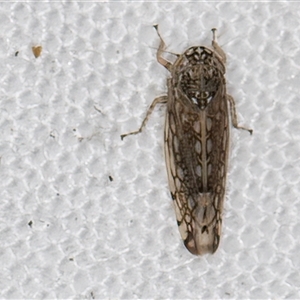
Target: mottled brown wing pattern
(196,141)
(196,147)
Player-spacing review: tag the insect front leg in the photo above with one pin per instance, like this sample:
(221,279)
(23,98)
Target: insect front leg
(234,116)
(216,46)
(162,46)
(162,100)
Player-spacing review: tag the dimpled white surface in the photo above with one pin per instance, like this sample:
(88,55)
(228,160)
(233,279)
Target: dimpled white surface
(85,215)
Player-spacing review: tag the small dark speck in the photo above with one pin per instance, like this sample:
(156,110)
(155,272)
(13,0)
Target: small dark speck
(228,294)
(48,225)
(16,54)
(118,51)
(57,194)
(71,259)
(97,109)
(30,224)
(92,295)
(74,129)
(110,178)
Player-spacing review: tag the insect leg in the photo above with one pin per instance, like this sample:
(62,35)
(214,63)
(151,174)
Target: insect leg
(233,114)
(216,46)
(160,50)
(162,100)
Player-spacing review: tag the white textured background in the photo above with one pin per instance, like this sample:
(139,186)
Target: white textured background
(66,230)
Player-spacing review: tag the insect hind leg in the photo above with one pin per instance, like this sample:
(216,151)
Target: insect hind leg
(161,100)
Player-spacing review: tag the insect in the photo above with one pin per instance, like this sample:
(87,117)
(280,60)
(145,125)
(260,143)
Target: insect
(197,141)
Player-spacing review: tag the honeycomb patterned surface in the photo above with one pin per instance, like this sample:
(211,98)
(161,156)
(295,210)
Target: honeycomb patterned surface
(85,215)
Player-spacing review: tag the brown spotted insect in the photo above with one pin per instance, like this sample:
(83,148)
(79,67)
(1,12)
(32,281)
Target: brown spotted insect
(197,141)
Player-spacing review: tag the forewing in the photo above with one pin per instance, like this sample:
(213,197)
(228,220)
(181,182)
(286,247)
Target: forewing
(196,149)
